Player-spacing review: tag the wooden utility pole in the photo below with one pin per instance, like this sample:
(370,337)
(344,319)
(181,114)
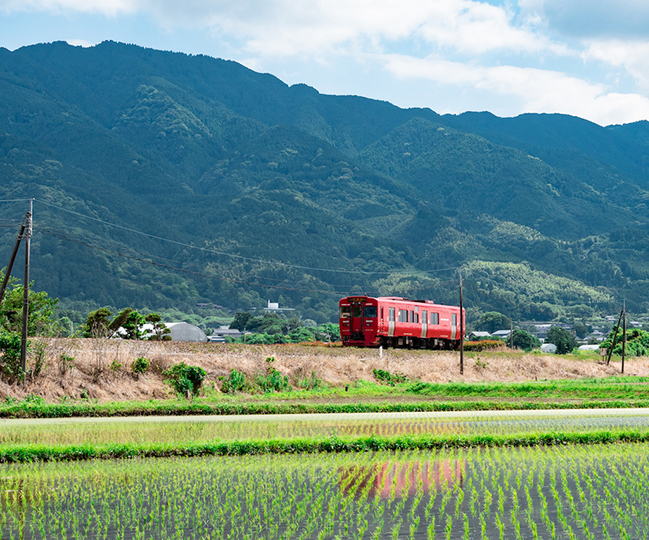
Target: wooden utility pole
(617,328)
(5,282)
(461,329)
(623,334)
(511,334)
(23,338)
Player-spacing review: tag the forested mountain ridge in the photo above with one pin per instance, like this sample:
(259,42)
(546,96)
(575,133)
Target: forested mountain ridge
(256,183)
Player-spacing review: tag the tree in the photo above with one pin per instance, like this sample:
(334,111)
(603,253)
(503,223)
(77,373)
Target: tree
(133,324)
(241,320)
(98,323)
(524,340)
(580,329)
(160,332)
(40,321)
(562,338)
(492,321)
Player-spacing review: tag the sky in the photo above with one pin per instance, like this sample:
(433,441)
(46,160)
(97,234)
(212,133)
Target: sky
(587,58)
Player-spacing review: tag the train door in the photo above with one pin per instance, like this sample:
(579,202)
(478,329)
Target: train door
(453,325)
(357,318)
(424,324)
(391,322)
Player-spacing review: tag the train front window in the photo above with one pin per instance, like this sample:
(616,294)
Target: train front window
(345,312)
(357,311)
(370,312)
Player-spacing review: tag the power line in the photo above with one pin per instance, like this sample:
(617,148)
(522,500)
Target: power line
(211,276)
(241,257)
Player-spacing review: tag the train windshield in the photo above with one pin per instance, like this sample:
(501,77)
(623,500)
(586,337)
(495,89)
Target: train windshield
(370,312)
(357,311)
(345,312)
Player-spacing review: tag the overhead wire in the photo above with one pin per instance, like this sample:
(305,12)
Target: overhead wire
(241,257)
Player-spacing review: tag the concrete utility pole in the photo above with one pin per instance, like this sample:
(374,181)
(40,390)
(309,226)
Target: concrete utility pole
(623,335)
(461,330)
(23,339)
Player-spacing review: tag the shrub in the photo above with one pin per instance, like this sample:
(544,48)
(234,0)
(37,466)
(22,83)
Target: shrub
(389,378)
(10,348)
(310,383)
(236,382)
(484,345)
(140,365)
(66,363)
(273,381)
(185,380)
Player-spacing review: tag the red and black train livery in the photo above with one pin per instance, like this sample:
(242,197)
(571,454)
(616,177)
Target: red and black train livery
(391,321)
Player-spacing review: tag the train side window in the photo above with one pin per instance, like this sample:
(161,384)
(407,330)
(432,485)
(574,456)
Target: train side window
(454,317)
(424,317)
(417,318)
(412,316)
(391,314)
(345,312)
(434,318)
(382,314)
(357,311)
(403,315)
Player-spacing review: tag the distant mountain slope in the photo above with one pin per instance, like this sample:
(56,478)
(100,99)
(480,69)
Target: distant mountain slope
(250,189)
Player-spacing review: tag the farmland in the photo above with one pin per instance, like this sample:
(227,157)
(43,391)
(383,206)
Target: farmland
(565,492)
(388,447)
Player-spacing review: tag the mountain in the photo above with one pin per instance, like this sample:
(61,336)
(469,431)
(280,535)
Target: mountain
(163,179)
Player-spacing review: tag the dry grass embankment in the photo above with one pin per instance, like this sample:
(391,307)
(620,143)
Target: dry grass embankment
(102,368)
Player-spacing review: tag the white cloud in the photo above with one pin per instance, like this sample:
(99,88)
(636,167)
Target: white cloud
(535,90)
(104,7)
(633,56)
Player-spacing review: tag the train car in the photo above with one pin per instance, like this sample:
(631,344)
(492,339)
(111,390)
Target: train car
(391,321)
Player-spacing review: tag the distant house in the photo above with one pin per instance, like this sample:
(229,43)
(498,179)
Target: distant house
(219,334)
(478,335)
(501,334)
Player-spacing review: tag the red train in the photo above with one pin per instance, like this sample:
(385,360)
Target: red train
(398,322)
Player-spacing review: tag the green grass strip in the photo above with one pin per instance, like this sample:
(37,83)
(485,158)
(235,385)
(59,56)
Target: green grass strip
(40,453)
(177,408)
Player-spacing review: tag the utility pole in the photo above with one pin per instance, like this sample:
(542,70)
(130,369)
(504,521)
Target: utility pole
(23,339)
(623,335)
(5,282)
(617,328)
(461,329)
(511,334)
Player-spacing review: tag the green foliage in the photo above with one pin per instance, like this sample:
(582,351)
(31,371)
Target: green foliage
(492,321)
(41,320)
(388,378)
(310,383)
(273,380)
(637,342)
(140,366)
(235,382)
(484,345)
(185,380)
(524,340)
(10,348)
(562,338)
(160,332)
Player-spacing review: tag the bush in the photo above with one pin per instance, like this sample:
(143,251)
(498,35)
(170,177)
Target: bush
(273,381)
(389,378)
(310,383)
(562,338)
(185,380)
(140,365)
(484,345)
(236,382)
(10,348)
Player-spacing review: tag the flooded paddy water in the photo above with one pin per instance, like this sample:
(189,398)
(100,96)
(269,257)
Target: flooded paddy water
(562,492)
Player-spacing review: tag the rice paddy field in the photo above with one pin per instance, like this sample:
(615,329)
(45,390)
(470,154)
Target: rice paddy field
(570,492)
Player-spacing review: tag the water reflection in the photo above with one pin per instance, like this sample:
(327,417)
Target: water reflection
(402,479)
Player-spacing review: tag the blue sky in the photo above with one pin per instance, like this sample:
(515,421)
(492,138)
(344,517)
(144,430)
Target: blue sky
(588,58)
